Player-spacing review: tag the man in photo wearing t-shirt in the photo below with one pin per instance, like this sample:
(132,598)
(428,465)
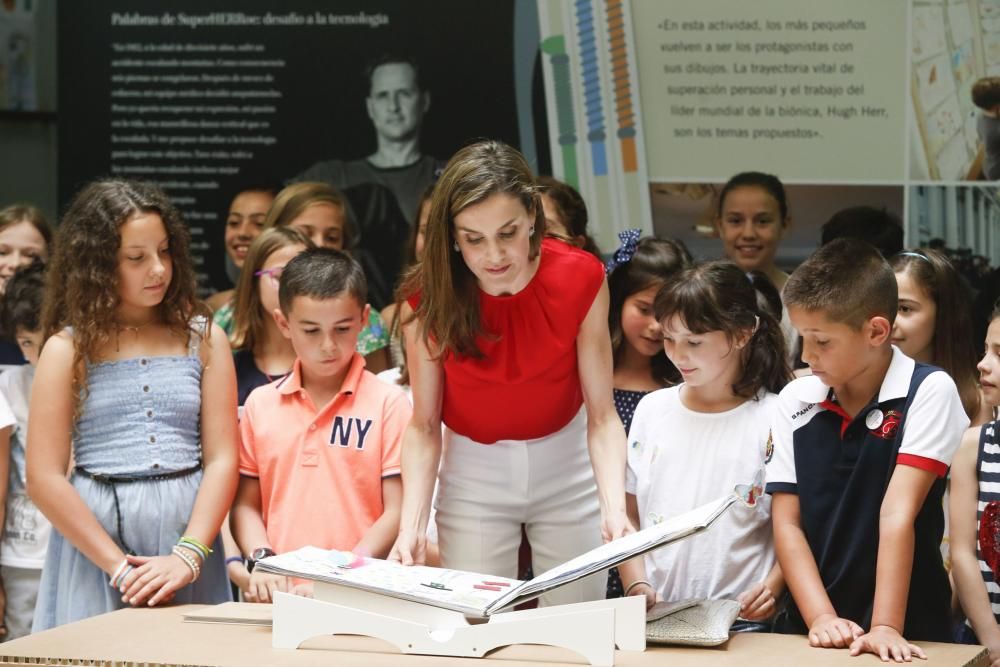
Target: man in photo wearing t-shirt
(384,188)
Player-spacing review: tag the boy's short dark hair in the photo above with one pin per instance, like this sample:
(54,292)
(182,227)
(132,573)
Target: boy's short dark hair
(986,93)
(321,273)
(848,280)
(22,302)
(877,226)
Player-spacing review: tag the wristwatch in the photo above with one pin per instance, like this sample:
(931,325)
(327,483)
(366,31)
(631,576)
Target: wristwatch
(258,554)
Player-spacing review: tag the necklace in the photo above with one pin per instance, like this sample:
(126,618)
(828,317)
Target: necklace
(135,329)
(126,328)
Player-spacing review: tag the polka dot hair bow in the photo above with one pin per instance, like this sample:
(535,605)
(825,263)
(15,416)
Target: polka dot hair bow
(629,241)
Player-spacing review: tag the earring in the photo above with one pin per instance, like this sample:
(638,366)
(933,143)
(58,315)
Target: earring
(531,232)
(455,246)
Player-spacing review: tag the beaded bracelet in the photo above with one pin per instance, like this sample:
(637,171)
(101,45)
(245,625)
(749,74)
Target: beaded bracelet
(189,561)
(634,584)
(200,546)
(192,551)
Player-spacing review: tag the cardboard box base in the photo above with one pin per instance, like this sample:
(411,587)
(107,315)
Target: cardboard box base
(160,638)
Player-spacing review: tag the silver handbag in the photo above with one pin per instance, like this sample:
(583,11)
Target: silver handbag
(691,622)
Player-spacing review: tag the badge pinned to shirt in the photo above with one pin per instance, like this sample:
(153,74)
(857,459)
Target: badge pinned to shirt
(883,425)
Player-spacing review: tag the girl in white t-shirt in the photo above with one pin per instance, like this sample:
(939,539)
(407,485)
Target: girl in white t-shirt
(694,442)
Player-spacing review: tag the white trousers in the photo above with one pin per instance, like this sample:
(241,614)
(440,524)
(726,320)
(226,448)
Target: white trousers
(485,493)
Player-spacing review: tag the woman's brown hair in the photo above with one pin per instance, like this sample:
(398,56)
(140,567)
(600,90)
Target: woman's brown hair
(248,316)
(449,297)
(82,282)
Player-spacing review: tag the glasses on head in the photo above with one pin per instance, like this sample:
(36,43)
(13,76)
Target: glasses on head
(274,274)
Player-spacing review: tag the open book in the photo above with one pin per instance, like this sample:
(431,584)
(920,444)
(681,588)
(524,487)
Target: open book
(479,595)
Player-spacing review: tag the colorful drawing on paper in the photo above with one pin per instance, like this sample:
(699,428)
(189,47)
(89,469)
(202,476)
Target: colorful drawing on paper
(935,81)
(963,64)
(942,124)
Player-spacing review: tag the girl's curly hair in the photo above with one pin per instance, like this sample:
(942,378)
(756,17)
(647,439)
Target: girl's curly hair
(82,285)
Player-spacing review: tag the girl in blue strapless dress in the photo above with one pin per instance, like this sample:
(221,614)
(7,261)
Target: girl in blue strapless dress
(139,387)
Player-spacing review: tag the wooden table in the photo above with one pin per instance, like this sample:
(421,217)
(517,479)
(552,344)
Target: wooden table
(160,637)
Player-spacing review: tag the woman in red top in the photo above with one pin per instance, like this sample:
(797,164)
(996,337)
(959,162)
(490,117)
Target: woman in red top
(507,343)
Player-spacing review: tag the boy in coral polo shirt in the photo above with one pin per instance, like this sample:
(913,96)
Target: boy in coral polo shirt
(320,448)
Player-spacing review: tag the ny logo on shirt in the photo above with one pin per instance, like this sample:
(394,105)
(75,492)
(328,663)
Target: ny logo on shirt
(345,427)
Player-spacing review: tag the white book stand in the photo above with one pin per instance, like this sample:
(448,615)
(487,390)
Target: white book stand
(592,629)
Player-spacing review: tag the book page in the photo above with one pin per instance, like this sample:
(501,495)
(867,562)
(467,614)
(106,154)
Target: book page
(467,592)
(615,552)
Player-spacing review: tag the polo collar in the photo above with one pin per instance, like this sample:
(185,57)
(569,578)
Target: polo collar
(896,383)
(292,383)
(897,379)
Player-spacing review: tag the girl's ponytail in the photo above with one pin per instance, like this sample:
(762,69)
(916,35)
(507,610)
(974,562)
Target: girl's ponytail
(765,364)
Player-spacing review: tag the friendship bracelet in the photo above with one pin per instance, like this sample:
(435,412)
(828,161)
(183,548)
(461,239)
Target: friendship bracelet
(636,583)
(193,550)
(234,559)
(189,561)
(195,543)
(193,547)
(120,581)
(118,571)
(204,547)
(117,582)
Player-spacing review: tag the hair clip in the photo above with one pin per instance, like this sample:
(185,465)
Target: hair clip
(629,242)
(271,273)
(910,253)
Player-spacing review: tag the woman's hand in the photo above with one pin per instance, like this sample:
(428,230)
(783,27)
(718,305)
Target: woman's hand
(410,548)
(154,579)
(615,524)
